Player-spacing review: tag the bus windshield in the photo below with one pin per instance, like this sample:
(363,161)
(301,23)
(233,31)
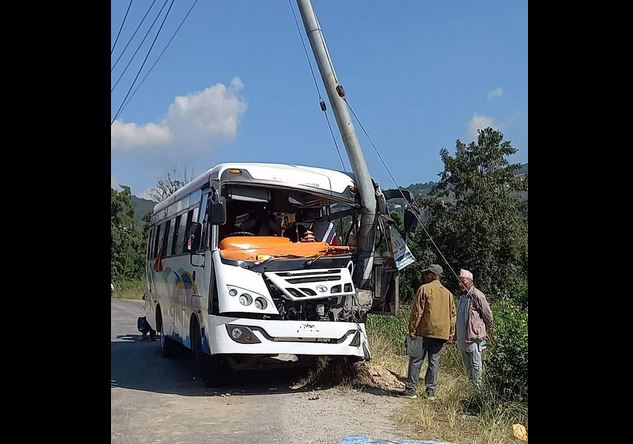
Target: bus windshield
(263,223)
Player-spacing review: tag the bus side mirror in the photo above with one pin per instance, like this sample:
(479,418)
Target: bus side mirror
(217,212)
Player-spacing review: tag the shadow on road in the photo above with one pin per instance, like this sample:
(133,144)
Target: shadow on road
(139,365)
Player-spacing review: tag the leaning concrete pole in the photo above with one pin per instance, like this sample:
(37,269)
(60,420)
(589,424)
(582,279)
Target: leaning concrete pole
(335,93)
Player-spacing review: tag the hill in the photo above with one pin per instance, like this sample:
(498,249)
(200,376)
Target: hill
(141,208)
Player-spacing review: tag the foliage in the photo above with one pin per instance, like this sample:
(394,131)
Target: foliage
(476,218)
(128,243)
(507,366)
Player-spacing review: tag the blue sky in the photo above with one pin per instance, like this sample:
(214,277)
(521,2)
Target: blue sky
(235,85)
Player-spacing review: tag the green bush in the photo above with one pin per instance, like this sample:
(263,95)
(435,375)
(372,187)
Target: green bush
(392,328)
(506,367)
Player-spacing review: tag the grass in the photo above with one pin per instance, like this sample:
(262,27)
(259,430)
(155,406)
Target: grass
(386,335)
(129,289)
(458,414)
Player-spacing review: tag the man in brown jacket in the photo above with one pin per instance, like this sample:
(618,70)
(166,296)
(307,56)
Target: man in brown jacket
(432,321)
(474,322)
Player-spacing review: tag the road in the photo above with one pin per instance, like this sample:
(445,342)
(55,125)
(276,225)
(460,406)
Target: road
(158,400)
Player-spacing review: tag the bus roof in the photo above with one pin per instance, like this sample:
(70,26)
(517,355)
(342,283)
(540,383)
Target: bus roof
(320,180)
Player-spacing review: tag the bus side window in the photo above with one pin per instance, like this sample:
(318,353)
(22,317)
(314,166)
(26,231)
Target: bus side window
(178,236)
(192,216)
(149,243)
(202,219)
(203,208)
(180,244)
(169,246)
(163,247)
(187,226)
(156,241)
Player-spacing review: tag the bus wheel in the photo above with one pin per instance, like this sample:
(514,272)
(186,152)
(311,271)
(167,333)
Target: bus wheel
(197,355)
(167,345)
(209,368)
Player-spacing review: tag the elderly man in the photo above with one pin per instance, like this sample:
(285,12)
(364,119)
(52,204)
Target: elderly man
(432,321)
(474,322)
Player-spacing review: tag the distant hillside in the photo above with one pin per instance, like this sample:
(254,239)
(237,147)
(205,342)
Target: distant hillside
(141,208)
(421,189)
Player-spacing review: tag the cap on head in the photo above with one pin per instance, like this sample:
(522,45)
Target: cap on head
(465,274)
(434,268)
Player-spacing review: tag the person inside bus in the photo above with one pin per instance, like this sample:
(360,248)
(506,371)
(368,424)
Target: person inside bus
(287,226)
(261,222)
(229,226)
(301,230)
(289,231)
(308,236)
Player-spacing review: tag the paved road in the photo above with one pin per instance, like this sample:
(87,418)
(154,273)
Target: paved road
(158,400)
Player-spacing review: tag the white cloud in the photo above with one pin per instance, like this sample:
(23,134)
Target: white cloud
(130,136)
(497,92)
(194,123)
(114,182)
(479,122)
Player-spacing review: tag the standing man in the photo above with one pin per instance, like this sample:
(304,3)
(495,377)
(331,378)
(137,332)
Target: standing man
(432,321)
(474,322)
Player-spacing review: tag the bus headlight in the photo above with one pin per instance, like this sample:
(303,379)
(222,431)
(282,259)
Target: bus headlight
(246,299)
(242,334)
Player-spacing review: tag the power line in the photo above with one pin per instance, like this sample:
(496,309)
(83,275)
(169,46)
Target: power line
(305,50)
(139,46)
(132,38)
(143,64)
(160,55)
(334,139)
(122,23)
(316,85)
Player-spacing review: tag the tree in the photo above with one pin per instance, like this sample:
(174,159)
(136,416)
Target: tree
(146,219)
(169,183)
(128,245)
(476,219)
(129,240)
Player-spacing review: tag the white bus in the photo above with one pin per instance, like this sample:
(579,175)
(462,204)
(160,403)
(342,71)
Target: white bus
(262,260)
(230,276)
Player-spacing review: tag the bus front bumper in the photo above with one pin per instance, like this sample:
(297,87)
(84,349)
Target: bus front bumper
(230,335)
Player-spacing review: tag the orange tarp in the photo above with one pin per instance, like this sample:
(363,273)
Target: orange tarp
(248,248)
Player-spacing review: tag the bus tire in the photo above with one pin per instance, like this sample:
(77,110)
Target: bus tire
(167,345)
(209,368)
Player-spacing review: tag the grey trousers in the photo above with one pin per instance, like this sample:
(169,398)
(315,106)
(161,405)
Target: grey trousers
(471,355)
(432,348)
